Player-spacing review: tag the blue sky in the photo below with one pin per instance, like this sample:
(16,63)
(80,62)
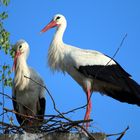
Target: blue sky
(93,24)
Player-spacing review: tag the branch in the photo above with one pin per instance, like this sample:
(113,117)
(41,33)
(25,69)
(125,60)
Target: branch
(121,134)
(117,49)
(54,105)
(22,115)
(6,124)
(122,41)
(6,95)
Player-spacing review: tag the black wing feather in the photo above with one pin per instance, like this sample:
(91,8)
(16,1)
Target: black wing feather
(106,73)
(41,112)
(128,90)
(15,105)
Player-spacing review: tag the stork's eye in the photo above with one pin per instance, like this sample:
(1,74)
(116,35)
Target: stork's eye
(57,18)
(20,46)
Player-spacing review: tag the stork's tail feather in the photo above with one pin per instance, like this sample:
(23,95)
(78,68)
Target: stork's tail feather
(130,92)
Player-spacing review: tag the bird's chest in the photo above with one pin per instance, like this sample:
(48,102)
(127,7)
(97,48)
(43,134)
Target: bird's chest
(56,57)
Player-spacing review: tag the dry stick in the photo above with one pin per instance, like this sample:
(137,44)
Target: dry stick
(64,125)
(16,101)
(6,124)
(31,117)
(122,41)
(13,127)
(47,92)
(90,136)
(121,134)
(3,73)
(117,49)
(56,108)
(3,113)
(54,105)
(22,115)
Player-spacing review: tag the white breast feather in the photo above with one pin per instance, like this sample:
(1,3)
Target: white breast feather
(21,70)
(55,58)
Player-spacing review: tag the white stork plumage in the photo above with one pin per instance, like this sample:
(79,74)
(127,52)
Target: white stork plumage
(92,70)
(29,96)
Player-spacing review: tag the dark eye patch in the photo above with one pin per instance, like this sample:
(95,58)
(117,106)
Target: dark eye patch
(20,46)
(58,18)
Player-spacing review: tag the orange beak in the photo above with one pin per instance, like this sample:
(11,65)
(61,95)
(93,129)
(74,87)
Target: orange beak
(50,25)
(18,53)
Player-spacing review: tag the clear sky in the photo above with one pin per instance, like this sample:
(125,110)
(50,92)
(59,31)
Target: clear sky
(92,24)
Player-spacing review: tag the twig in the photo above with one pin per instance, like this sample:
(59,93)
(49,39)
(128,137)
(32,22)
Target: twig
(6,95)
(47,92)
(3,100)
(9,125)
(89,135)
(54,105)
(6,127)
(22,115)
(111,58)
(121,134)
(2,113)
(78,108)
(117,49)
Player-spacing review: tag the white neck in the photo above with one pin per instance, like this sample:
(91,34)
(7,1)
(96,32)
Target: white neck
(58,37)
(21,70)
(57,49)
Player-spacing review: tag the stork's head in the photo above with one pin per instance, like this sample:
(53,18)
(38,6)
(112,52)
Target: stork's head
(21,51)
(57,21)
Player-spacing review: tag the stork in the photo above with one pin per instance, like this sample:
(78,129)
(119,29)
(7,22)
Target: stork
(92,70)
(28,97)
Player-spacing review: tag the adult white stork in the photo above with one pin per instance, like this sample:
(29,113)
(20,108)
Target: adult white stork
(93,70)
(28,97)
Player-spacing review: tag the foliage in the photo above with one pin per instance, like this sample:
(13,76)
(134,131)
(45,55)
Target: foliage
(4,2)
(4,35)
(5,70)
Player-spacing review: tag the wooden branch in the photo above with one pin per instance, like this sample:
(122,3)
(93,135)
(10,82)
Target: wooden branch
(22,115)
(121,134)
(6,95)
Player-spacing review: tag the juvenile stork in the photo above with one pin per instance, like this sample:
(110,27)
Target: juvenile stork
(28,97)
(92,70)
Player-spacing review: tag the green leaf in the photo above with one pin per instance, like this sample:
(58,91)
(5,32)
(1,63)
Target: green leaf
(4,67)
(3,76)
(9,72)
(8,82)
(3,15)
(5,2)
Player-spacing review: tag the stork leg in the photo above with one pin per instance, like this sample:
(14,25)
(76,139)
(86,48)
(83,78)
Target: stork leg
(88,108)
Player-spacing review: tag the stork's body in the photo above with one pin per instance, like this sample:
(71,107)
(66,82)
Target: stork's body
(92,70)
(29,96)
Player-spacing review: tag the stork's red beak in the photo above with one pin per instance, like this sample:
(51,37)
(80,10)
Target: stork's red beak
(50,25)
(18,53)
